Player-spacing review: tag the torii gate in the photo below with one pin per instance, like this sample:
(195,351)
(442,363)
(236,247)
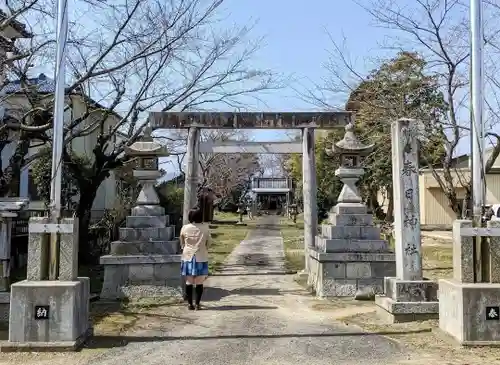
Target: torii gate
(307,122)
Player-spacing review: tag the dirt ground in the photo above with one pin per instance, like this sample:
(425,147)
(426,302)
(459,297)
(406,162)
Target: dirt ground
(116,325)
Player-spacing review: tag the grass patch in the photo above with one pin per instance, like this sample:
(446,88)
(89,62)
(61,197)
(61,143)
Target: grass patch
(293,242)
(225,239)
(226,216)
(437,260)
(119,316)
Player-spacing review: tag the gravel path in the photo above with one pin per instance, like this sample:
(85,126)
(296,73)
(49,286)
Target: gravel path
(252,317)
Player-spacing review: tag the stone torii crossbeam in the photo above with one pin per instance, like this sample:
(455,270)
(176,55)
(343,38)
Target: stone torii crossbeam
(307,122)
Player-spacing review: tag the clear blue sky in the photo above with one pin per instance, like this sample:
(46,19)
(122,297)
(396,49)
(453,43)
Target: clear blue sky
(296,41)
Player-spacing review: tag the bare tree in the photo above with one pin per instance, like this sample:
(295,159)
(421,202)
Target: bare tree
(225,174)
(438,30)
(127,58)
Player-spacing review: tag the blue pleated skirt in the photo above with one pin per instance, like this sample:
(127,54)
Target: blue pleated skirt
(193,268)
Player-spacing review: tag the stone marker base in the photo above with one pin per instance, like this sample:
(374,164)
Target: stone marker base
(67,326)
(408,300)
(342,274)
(129,276)
(463,312)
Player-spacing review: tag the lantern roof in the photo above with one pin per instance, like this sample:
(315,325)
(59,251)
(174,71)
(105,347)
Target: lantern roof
(146,146)
(350,144)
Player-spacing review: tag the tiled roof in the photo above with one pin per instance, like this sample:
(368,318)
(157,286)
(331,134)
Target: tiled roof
(45,85)
(17,25)
(42,84)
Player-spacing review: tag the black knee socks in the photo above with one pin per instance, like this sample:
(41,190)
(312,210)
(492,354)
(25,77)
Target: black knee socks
(189,293)
(199,293)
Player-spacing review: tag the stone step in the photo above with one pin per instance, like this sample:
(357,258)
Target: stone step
(349,208)
(145,210)
(350,219)
(145,247)
(147,221)
(351,245)
(147,234)
(350,232)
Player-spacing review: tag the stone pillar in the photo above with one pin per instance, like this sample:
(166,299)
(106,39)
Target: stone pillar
(408,248)
(5,255)
(407,296)
(309,191)
(469,311)
(191,177)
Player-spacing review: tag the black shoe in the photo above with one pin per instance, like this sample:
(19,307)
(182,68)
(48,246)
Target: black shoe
(198,307)
(191,307)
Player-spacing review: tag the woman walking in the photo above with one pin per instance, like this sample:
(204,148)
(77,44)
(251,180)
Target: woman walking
(195,239)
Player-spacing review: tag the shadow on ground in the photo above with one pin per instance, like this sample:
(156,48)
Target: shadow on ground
(214,294)
(121,341)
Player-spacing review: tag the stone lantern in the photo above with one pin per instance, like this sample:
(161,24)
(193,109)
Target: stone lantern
(144,262)
(349,258)
(147,151)
(351,152)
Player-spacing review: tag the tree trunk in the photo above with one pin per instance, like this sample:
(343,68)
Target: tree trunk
(467,205)
(375,206)
(83,212)
(389,217)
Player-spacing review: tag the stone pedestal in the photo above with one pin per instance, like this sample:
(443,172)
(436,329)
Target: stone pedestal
(349,254)
(65,324)
(469,311)
(145,261)
(408,300)
(408,296)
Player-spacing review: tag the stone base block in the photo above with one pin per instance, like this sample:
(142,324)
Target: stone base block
(349,208)
(130,276)
(67,324)
(342,274)
(408,300)
(464,312)
(147,234)
(147,221)
(342,220)
(145,247)
(147,210)
(351,245)
(350,232)
(411,290)
(397,312)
